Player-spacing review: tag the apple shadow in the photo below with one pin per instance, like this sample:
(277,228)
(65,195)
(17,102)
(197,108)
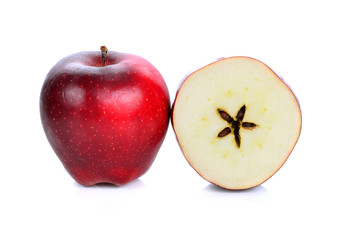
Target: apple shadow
(137,183)
(258,190)
(108,192)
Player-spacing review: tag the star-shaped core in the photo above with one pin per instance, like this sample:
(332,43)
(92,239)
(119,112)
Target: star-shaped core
(235,124)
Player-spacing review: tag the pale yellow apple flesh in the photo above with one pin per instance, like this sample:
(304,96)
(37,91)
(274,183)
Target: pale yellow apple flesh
(227,85)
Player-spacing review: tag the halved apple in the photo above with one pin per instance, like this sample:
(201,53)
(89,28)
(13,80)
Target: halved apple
(236,122)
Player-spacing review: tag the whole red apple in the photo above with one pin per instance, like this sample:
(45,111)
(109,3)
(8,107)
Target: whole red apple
(105,114)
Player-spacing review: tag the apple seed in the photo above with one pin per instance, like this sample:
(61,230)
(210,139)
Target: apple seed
(224,132)
(235,124)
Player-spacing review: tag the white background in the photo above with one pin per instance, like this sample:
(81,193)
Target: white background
(297,39)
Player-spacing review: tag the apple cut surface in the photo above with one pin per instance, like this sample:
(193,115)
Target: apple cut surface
(236,122)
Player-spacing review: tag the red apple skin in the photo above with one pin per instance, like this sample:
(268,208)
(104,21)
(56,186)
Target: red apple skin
(105,123)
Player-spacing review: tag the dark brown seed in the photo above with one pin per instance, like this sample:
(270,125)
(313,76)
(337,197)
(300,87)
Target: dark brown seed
(224,132)
(237,137)
(249,125)
(241,113)
(225,116)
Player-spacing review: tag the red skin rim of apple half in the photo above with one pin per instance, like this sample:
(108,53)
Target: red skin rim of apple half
(282,80)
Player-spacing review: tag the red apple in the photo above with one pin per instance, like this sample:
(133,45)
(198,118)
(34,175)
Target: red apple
(105,115)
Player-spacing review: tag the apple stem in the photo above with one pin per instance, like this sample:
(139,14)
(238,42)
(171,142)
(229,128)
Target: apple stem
(103,54)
